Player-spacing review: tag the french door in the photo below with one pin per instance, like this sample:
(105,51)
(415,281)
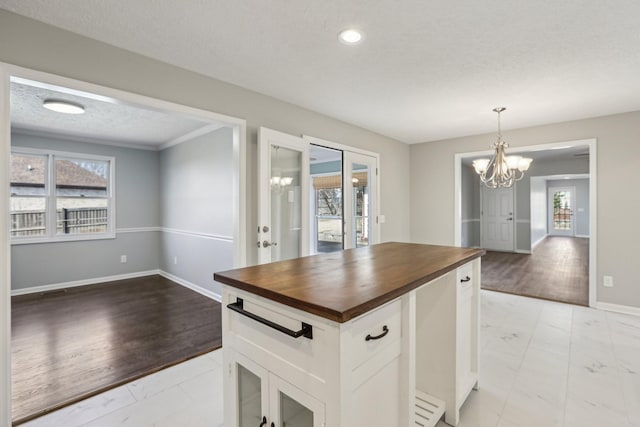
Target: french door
(561,206)
(283,196)
(360,204)
(300,213)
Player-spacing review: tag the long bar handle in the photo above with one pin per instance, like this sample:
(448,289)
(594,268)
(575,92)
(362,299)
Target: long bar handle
(306,331)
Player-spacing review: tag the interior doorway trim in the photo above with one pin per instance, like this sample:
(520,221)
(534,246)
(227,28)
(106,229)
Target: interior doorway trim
(7,71)
(593,217)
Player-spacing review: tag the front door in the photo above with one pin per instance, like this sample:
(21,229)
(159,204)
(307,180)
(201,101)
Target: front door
(497,219)
(561,202)
(283,211)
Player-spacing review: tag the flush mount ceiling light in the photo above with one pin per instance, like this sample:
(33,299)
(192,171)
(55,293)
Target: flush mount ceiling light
(350,36)
(65,107)
(501,171)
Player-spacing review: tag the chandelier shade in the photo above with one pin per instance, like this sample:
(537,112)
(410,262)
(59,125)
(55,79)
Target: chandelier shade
(501,171)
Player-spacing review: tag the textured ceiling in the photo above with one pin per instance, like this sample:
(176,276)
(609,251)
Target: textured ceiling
(427,70)
(110,122)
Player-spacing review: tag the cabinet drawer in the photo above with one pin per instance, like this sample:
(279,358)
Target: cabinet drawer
(274,349)
(374,332)
(465,279)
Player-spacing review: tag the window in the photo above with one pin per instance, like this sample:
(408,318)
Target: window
(60,196)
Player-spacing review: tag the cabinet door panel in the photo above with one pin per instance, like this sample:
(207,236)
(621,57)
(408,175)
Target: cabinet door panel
(291,407)
(251,393)
(249,398)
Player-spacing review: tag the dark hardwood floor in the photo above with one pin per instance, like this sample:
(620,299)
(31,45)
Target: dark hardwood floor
(69,345)
(558,270)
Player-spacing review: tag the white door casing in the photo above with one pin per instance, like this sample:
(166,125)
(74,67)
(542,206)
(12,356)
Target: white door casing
(497,219)
(289,203)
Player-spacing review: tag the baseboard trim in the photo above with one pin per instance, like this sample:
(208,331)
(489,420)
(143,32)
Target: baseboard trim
(538,241)
(83,282)
(192,286)
(522,251)
(617,308)
(583,236)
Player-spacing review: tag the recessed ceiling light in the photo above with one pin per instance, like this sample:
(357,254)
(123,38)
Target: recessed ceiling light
(350,36)
(65,107)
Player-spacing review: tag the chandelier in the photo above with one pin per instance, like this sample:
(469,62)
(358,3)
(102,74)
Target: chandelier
(501,171)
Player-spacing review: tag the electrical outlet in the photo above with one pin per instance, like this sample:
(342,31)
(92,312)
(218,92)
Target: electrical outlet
(607,281)
(175,260)
(123,259)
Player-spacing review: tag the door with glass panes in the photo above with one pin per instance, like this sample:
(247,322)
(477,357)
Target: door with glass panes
(263,399)
(360,204)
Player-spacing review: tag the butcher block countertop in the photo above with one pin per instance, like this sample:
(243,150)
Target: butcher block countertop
(342,285)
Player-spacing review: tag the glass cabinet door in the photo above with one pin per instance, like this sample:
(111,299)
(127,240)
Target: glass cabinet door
(291,407)
(249,398)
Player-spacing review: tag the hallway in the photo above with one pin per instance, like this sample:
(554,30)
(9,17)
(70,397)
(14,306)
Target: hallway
(558,270)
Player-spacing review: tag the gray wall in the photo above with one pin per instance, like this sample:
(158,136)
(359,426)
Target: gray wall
(539,209)
(137,203)
(42,47)
(618,149)
(470,207)
(581,208)
(196,178)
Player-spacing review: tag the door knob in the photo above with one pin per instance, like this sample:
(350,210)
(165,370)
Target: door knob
(266,244)
(509,219)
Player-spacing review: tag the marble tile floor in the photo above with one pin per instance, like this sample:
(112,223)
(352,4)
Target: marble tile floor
(542,364)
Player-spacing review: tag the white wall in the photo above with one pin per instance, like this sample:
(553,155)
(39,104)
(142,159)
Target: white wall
(618,151)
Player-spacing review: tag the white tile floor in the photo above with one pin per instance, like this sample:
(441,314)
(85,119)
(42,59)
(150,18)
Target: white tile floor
(542,364)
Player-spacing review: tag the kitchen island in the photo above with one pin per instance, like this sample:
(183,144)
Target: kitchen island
(385,335)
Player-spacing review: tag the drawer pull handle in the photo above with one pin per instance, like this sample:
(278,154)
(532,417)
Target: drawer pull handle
(466,279)
(306,331)
(385,331)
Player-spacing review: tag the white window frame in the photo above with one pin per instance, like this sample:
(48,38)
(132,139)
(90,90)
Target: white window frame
(50,197)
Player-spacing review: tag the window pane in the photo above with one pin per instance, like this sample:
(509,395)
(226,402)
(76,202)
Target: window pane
(326,176)
(81,178)
(28,175)
(293,414)
(28,216)
(361,200)
(249,398)
(77,215)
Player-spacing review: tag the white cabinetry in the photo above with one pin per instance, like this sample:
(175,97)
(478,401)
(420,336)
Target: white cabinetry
(447,338)
(400,364)
(264,399)
(347,374)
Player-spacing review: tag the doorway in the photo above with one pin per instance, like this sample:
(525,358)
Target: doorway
(531,230)
(561,211)
(315,196)
(11,74)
